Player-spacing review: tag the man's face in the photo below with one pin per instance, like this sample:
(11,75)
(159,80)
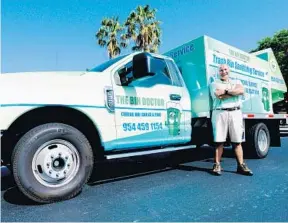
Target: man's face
(224,71)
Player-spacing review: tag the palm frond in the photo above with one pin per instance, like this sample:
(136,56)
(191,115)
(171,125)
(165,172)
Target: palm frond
(141,27)
(123,44)
(116,51)
(102,42)
(136,48)
(104,22)
(110,35)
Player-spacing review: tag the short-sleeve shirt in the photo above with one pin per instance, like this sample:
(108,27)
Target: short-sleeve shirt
(231,102)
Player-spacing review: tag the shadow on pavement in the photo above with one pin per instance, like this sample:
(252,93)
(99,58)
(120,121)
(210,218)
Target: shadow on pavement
(194,168)
(120,169)
(7,182)
(14,196)
(110,171)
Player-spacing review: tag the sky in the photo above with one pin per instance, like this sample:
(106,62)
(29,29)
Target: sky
(50,35)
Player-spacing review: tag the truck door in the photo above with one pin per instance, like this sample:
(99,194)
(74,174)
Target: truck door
(140,108)
(178,106)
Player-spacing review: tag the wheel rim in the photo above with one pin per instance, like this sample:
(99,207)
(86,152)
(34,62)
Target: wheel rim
(55,163)
(262,140)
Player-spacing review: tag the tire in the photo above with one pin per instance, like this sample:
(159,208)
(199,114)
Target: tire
(48,150)
(257,141)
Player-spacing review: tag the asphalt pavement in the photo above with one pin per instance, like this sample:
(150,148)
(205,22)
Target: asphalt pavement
(174,186)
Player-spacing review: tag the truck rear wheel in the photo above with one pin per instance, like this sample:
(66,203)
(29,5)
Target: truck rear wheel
(52,162)
(257,141)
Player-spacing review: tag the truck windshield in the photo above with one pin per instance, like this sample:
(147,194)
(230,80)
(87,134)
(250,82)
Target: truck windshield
(106,64)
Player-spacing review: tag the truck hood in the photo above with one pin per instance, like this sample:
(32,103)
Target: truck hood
(47,73)
(52,87)
(25,78)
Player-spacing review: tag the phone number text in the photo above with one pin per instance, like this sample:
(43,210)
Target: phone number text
(142,126)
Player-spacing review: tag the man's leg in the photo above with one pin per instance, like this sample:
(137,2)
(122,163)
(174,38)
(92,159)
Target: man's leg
(236,132)
(219,152)
(242,168)
(239,153)
(218,155)
(220,130)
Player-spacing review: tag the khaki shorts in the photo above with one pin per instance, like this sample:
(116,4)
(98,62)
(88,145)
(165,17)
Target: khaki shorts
(227,121)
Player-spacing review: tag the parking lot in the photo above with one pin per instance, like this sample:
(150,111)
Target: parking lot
(169,187)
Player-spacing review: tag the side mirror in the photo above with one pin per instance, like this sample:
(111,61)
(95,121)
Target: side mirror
(142,65)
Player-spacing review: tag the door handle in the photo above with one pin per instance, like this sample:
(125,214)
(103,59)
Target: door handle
(175,97)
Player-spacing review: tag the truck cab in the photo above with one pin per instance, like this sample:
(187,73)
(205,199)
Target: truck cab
(59,124)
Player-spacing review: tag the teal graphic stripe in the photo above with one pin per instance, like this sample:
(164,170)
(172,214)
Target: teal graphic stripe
(145,140)
(154,109)
(83,106)
(38,105)
(242,74)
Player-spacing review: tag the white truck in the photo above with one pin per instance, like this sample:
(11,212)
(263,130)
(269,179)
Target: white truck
(56,125)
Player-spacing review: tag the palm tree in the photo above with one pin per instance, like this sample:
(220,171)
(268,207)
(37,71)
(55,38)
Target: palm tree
(108,36)
(144,29)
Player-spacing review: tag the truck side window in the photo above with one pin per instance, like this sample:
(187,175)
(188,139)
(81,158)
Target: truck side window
(175,73)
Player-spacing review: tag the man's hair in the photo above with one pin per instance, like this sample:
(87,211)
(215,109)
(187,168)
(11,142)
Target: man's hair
(223,65)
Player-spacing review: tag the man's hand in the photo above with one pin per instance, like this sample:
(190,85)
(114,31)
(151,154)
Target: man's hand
(219,92)
(225,96)
(238,90)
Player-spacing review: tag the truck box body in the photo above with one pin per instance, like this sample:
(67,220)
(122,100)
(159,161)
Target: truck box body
(199,59)
(278,86)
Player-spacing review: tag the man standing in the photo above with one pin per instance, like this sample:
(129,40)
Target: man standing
(227,117)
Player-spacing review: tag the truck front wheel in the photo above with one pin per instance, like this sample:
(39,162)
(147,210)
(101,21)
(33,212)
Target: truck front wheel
(257,141)
(52,162)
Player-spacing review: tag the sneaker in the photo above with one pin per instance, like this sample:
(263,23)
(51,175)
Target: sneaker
(243,169)
(217,169)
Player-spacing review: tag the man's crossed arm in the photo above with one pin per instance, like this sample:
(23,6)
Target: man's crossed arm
(238,90)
